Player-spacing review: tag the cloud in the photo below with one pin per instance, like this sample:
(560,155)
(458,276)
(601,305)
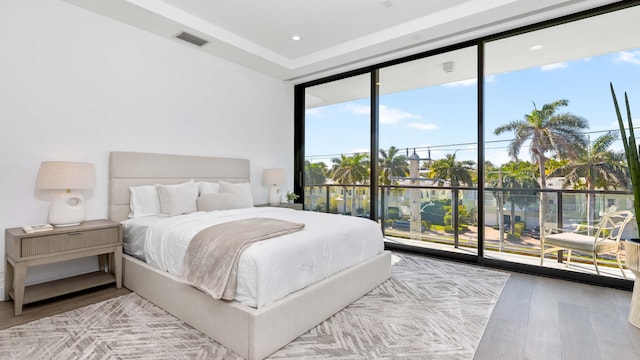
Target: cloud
(387,115)
(615,126)
(393,116)
(422,126)
(316,112)
(357,109)
(556,66)
(632,57)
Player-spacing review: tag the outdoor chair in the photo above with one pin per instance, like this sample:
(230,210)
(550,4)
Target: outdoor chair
(594,240)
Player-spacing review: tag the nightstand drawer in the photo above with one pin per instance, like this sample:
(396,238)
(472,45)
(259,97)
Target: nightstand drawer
(48,244)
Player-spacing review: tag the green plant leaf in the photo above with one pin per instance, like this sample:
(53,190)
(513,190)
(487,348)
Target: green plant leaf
(631,150)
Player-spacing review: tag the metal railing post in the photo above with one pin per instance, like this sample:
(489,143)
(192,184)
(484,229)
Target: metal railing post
(326,204)
(454,215)
(383,191)
(559,221)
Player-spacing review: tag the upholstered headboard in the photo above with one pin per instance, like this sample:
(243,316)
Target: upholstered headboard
(134,169)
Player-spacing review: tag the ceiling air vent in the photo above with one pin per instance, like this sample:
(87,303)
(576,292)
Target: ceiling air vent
(191,38)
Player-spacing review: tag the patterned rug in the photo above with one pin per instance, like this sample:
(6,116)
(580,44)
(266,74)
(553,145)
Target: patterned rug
(429,309)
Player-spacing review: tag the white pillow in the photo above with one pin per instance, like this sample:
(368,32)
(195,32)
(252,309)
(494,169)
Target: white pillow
(178,199)
(221,201)
(242,191)
(205,187)
(144,201)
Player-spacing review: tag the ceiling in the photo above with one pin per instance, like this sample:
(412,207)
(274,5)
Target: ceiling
(551,46)
(336,35)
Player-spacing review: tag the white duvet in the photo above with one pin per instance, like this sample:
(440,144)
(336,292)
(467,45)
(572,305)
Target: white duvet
(270,270)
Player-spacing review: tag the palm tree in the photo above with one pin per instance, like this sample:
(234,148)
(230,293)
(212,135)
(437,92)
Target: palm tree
(457,172)
(350,170)
(547,132)
(599,166)
(552,164)
(519,175)
(391,164)
(516,175)
(314,174)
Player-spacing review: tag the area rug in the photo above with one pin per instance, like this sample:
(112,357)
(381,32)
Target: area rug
(428,309)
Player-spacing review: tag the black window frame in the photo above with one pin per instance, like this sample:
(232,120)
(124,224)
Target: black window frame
(373,70)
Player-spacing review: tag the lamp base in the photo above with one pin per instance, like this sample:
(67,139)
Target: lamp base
(274,196)
(66,209)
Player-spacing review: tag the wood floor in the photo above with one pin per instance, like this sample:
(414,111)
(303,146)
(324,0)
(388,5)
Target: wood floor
(535,318)
(542,318)
(57,305)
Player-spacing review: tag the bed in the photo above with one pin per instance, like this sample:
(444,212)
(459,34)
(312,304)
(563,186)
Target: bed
(252,332)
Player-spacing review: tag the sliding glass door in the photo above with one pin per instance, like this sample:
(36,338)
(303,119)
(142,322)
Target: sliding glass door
(481,170)
(337,147)
(428,151)
(552,141)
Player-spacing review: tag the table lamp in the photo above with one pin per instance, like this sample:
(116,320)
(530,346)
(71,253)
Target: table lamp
(273,178)
(66,208)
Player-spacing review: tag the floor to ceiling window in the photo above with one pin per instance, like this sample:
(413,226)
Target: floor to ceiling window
(428,150)
(554,159)
(548,158)
(337,146)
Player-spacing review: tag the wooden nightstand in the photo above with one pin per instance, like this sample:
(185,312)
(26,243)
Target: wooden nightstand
(295,206)
(100,238)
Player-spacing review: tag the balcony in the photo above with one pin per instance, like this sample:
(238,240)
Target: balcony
(422,216)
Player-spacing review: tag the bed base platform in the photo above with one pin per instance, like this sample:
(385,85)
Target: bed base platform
(256,333)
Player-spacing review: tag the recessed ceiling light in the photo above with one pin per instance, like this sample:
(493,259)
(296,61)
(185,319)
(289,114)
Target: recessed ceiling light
(387,3)
(296,38)
(536,48)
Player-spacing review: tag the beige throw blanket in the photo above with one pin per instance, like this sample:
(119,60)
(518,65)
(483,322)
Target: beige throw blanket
(211,259)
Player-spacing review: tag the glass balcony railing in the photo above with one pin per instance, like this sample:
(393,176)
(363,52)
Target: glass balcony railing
(338,199)
(513,218)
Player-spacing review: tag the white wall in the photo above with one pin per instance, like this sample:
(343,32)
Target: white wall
(75,85)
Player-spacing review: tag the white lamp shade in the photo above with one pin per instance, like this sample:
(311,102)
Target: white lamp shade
(66,175)
(66,208)
(274,176)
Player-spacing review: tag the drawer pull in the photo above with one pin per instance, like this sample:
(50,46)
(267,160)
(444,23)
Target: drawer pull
(75,233)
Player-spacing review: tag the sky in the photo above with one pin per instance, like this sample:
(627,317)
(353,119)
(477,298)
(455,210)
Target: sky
(443,118)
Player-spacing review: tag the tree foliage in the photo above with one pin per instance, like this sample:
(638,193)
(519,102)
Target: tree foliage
(315,173)
(547,132)
(390,164)
(351,169)
(597,164)
(456,172)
